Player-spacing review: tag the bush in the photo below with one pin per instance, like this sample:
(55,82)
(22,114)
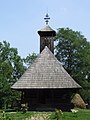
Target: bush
(24,107)
(58,115)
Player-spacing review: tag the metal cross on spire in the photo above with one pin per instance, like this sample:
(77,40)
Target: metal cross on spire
(47,18)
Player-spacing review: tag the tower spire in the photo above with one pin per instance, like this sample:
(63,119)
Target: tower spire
(47,35)
(47,18)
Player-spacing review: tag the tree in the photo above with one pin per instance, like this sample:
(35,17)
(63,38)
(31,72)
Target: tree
(30,59)
(73,50)
(11,68)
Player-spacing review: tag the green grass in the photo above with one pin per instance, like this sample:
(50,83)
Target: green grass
(16,115)
(80,115)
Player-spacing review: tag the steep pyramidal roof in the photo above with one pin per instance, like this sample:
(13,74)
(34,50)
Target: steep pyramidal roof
(45,72)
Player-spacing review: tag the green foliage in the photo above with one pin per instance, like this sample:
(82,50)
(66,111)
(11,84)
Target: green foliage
(24,107)
(12,66)
(73,50)
(58,115)
(30,59)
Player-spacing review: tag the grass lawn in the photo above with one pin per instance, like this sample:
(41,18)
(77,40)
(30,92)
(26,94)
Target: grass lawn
(15,115)
(80,115)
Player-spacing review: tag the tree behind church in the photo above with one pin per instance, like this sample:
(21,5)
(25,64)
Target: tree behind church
(73,50)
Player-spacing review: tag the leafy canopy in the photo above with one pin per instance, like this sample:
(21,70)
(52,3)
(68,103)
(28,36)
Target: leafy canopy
(73,50)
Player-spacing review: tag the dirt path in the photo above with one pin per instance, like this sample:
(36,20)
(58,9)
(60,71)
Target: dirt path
(39,116)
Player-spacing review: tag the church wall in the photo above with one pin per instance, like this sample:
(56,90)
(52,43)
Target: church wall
(48,98)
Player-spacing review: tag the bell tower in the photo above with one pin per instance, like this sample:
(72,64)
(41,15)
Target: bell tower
(47,35)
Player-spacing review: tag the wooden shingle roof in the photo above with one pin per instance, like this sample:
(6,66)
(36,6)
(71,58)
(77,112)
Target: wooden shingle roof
(45,72)
(47,28)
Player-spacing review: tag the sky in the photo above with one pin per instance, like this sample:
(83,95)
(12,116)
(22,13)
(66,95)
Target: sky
(21,19)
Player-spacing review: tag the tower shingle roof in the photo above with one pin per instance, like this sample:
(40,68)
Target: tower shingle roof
(47,29)
(45,72)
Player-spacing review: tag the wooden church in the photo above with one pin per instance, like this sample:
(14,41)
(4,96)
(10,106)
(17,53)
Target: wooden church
(46,85)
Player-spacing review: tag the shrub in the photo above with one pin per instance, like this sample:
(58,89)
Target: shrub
(24,107)
(58,115)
